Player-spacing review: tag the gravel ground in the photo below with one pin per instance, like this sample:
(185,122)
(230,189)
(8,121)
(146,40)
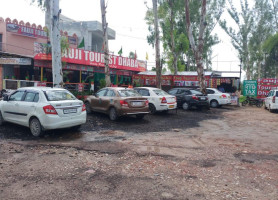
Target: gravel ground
(227,153)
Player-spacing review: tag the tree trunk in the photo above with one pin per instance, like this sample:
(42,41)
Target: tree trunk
(173,45)
(55,37)
(197,50)
(47,16)
(105,43)
(259,70)
(157,46)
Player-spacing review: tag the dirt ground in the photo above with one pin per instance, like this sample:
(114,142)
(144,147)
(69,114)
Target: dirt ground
(227,153)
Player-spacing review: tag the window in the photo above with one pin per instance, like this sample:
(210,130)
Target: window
(17,96)
(110,93)
(270,93)
(160,93)
(210,92)
(277,94)
(31,97)
(1,42)
(184,92)
(59,95)
(129,93)
(144,92)
(101,93)
(173,91)
(195,92)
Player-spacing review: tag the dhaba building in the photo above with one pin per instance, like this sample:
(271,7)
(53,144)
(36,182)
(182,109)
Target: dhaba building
(213,79)
(25,55)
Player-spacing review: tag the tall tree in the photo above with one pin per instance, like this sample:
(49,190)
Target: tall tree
(270,46)
(241,35)
(198,47)
(157,46)
(105,43)
(261,31)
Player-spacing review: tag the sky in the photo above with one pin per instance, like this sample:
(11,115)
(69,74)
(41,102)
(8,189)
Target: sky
(126,17)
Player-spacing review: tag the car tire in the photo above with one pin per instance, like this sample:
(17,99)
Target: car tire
(113,114)
(36,127)
(76,128)
(152,108)
(271,110)
(259,104)
(244,103)
(214,104)
(140,116)
(88,107)
(1,119)
(185,106)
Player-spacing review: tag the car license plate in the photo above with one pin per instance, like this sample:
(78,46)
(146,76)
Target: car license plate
(203,98)
(68,111)
(171,106)
(136,103)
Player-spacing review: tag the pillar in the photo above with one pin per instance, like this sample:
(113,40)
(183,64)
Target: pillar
(1,76)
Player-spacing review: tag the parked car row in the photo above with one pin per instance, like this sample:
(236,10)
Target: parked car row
(43,108)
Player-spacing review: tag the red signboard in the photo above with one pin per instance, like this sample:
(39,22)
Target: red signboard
(26,31)
(265,85)
(83,57)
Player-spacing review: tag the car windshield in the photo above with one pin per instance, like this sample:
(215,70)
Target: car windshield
(160,92)
(59,95)
(128,93)
(195,92)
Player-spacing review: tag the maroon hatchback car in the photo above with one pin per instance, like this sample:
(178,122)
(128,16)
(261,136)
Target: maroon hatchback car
(116,102)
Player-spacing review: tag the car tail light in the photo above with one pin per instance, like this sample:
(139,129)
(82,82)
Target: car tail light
(163,100)
(123,103)
(146,103)
(273,100)
(175,99)
(195,98)
(224,96)
(83,107)
(49,110)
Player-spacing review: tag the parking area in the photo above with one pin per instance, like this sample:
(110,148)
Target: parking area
(225,153)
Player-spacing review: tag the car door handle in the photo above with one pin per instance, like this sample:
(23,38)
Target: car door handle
(16,104)
(32,106)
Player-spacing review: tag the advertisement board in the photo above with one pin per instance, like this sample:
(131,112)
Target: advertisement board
(84,57)
(250,88)
(265,85)
(26,31)
(15,61)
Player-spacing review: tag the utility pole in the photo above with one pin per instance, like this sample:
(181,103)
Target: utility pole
(55,38)
(105,43)
(157,46)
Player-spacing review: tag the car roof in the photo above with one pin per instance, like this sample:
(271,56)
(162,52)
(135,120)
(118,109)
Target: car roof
(40,88)
(149,88)
(185,88)
(117,88)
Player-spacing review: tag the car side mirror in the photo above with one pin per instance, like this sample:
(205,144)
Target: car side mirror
(6,98)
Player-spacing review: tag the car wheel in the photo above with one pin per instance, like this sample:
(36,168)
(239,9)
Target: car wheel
(88,107)
(76,128)
(36,127)
(270,110)
(140,116)
(113,114)
(259,104)
(185,106)
(152,108)
(214,104)
(244,103)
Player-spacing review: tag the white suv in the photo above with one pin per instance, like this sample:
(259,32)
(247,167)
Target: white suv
(159,100)
(217,98)
(271,101)
(42,108)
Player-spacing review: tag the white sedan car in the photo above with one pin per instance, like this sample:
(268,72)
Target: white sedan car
(42,108)
(271,101)
(217,98)
(159,100)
